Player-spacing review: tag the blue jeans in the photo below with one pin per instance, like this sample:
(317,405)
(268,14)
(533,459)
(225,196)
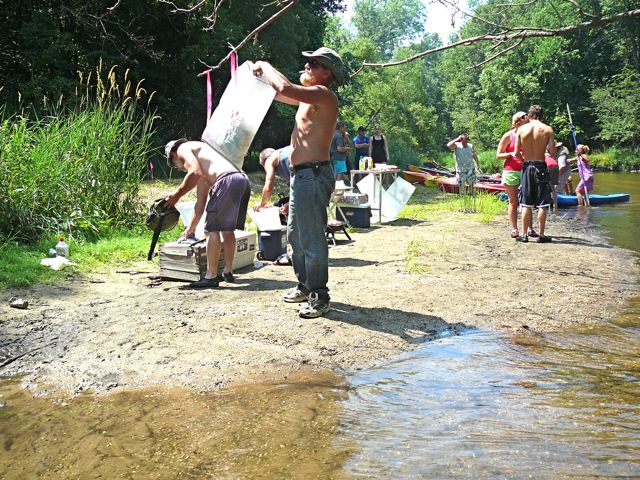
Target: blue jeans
(309,194)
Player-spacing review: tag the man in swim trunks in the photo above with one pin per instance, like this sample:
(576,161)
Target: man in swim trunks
(532,141)
(223,189)
(312,179)
(467,166)
(275,164)
(339,151)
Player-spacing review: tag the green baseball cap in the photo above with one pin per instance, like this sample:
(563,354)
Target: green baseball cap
(330,59)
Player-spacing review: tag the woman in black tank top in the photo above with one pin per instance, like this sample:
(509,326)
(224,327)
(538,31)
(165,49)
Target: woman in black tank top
(379,150)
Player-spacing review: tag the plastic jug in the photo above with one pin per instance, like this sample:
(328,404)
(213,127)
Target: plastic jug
(242,108)
(62,249)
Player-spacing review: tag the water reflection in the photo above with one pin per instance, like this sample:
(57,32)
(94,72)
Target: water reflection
(619,221)
(260,431)
(486,405)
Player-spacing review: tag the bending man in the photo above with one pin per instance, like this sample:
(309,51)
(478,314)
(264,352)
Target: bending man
(228,191)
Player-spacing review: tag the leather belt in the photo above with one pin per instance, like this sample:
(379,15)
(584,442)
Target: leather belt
(302,166)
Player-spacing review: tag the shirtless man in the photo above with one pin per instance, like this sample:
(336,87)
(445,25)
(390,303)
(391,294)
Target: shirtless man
(535,138)
(312,179)
(275,164)
(228,191)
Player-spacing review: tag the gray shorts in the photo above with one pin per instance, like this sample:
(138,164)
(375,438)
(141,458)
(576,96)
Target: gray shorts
(554,172)
(228,201)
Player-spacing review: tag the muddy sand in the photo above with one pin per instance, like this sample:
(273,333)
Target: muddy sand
(130,329)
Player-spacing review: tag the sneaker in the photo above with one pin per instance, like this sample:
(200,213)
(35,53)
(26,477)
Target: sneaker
(315,308)
(295,296)
(523,239)
(228,277)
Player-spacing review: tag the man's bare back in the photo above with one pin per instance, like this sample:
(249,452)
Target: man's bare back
(211,163)
(535,138)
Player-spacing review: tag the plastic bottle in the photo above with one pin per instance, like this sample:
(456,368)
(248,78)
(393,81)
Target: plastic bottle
(62,249)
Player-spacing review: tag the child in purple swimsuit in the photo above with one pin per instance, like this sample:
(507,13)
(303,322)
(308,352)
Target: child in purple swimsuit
(584,171)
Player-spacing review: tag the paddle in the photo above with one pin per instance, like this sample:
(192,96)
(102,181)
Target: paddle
(575,143)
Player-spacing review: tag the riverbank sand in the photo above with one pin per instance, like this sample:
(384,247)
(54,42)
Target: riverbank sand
(393,288)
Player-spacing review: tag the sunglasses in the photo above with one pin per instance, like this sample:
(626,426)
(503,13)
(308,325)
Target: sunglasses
(313,63)
(523,117)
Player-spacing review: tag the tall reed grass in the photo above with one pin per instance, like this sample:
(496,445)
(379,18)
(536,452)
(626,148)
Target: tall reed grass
(75,172)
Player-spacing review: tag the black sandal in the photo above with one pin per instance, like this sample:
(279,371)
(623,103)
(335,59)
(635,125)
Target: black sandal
(544,239)
(205,283)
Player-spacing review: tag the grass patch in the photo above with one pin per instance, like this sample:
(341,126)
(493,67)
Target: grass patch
(428,202)
(419,251)
(20,264)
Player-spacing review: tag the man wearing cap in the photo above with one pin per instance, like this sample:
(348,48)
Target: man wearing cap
(225,192)
(312,179)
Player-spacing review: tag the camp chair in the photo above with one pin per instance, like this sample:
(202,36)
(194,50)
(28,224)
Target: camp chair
(333,227)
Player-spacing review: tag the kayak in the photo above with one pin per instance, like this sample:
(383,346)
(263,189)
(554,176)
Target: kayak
(594,199)
(565,201)
(415,177)
(450,185)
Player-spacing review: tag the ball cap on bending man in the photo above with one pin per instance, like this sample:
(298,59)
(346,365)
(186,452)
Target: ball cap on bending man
(171,147)
(331,60)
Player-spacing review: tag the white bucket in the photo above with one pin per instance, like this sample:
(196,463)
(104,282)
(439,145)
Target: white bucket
(267,219)
(186,210)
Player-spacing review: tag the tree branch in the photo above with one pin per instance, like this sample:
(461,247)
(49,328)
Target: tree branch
(526,33)
(255,32)
(177,9)
(500,53)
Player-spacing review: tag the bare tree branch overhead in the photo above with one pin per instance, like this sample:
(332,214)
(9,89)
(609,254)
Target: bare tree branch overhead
(520,33)
(254,33)
(177,9)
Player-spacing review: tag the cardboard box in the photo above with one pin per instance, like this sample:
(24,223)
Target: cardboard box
(184,261)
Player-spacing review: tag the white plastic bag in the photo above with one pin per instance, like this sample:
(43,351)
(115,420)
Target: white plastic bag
(242,108)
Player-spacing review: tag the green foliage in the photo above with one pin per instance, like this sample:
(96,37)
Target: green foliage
(45,43)
(76,173)
(389,23)
(550,71)
(622,159)
(617,105)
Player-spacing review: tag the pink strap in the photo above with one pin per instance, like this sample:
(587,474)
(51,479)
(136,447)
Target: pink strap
(234,65)
(209,95)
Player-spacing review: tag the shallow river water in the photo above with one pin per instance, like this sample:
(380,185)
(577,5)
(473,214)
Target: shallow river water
(479,405)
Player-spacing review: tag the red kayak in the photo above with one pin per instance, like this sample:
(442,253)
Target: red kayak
(450,185)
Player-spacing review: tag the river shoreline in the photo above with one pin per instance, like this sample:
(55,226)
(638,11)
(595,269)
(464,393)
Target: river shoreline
(116,331)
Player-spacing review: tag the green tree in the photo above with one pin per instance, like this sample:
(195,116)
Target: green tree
(617,107)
